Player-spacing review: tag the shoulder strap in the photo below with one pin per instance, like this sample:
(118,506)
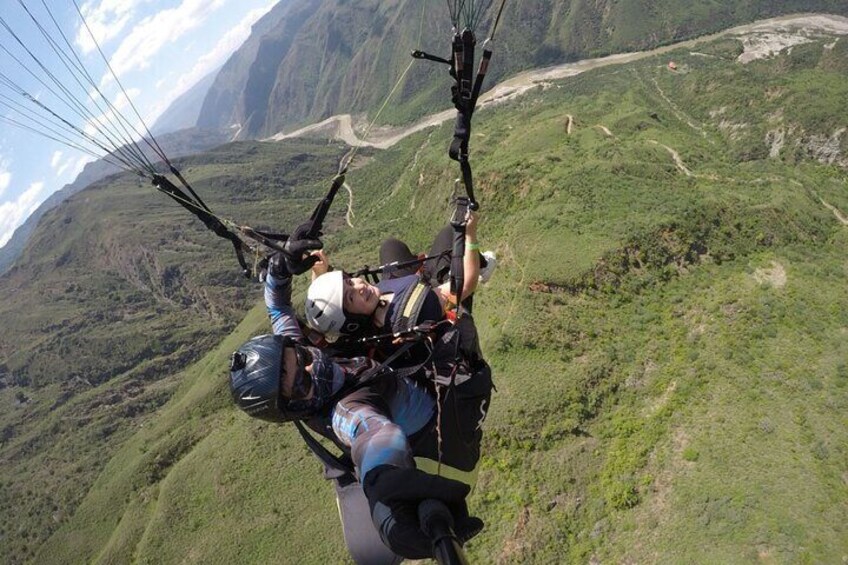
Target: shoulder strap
(385,366)
(409,306)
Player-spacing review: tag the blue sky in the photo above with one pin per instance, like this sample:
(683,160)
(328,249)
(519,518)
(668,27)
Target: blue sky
(157,48)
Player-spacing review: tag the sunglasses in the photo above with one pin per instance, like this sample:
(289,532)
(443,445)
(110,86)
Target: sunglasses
(301,385)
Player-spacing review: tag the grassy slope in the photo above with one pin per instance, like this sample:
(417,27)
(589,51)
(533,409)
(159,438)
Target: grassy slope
(117,288)
(657,402)
(195,454)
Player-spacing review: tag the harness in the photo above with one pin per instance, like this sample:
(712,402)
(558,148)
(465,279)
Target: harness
(461,381)
(408,307)
(343,463)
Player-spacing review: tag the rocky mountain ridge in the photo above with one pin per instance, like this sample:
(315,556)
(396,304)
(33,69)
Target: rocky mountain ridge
(327,57)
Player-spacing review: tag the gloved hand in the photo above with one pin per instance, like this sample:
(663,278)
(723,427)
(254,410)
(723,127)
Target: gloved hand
(394,495)
(277,267)
(296,257)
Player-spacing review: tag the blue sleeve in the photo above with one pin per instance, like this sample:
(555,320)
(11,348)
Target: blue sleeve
(373,438)
(377,439)
(278,301)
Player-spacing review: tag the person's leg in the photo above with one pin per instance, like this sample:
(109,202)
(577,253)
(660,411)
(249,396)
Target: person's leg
(395,251)
(436,270)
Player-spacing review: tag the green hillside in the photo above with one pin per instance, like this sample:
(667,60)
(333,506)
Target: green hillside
(118,290)
(668,328)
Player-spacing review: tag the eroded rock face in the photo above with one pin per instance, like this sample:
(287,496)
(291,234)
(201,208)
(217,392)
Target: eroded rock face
(764,45)
(769,39)
(775,140)
(828,150)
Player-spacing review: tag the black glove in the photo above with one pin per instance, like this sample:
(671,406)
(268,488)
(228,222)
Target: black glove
(394,495)
(432,511)
(277,267)
(296,258)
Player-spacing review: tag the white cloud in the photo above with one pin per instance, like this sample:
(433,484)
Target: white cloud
(13,214)
(216,57)
(71,164)
(155,32)
(57,158)
(5,176)
(122,101)
(93,126)
(106,19)
(79,164)
(110,123)
(109,129)
(59,163)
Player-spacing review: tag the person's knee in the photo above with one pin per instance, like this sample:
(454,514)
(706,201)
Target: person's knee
(392,250)
(395,251)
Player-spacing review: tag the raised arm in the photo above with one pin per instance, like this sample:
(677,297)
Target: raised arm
(278,290)
(296,259)
(471,259)
(470,264)
(280,310)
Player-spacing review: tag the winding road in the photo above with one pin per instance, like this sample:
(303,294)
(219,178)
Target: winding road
(761,39)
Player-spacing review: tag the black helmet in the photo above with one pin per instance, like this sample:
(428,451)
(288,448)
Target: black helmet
(256,373)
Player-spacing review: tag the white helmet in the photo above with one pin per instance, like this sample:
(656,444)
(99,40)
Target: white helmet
(324,310)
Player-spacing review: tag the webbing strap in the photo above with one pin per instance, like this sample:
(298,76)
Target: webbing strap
(389,268)
(457,272)
(381,368)
(320,212)
(418,54)
(463,47)
(270,240)
(185,183)
(342,463)
(442,470)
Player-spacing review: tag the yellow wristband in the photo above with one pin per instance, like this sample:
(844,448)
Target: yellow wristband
(473,246)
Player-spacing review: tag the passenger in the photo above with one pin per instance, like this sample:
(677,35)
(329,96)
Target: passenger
(339,305)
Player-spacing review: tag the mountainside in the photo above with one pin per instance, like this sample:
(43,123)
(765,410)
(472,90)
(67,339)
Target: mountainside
(667,328)
(325,57)
(184,111)
(117,290)
(91,172)
(176,144)
(226,96)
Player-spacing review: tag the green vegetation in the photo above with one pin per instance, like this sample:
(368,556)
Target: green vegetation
(118,290)
(669,348)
